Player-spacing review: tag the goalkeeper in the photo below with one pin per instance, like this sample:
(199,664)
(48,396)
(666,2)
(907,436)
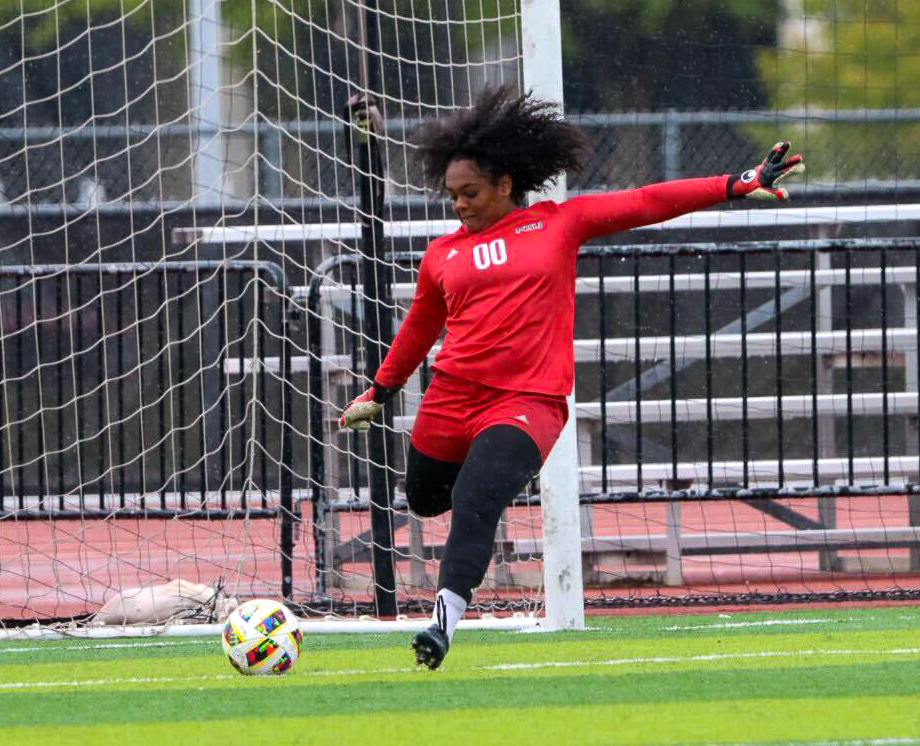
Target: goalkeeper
(503,288)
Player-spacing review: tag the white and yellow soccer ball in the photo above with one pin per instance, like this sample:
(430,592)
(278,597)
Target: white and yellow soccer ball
(261,637)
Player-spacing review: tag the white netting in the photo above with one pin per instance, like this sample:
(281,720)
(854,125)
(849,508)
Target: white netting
(182,305)
(149,428)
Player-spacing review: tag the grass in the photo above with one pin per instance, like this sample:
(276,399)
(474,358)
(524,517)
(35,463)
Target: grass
(841,676)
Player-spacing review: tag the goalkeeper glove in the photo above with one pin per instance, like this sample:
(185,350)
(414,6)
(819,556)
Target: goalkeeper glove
(759,182)
(360,411)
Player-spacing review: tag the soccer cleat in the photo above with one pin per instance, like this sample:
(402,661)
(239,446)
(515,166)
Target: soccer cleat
(430,646)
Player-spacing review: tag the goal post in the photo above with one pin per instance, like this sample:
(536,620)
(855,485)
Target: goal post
(541,47)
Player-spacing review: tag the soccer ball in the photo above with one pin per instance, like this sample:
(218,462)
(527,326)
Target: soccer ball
(261,637)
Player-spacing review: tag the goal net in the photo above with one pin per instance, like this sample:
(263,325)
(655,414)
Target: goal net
(159,415)
(210,226)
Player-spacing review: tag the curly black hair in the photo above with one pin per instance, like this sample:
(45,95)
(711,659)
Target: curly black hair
(502,133)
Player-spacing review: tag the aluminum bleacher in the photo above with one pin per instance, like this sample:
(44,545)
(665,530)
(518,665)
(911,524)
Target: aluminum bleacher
(829,343)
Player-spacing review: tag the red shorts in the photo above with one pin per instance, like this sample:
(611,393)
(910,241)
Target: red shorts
(454,411)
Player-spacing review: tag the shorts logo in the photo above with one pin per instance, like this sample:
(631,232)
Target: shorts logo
(529,227)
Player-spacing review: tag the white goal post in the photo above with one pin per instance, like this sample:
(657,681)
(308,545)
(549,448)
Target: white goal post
(541,45)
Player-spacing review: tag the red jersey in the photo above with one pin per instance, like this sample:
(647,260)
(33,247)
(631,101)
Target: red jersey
(506,295)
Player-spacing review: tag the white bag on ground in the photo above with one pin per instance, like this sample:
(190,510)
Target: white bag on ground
(175,601)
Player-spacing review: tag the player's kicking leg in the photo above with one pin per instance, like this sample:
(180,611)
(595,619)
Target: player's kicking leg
(501,461)
(429,483)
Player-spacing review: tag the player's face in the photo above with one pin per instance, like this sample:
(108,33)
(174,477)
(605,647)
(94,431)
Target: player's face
(478,200)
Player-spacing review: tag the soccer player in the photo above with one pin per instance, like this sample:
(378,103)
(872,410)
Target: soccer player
(503,288)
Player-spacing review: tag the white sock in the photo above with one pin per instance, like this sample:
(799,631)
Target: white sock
(448,608)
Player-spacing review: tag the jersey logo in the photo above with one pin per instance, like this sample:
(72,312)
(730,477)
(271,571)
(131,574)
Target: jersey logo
(523,418)
(529,227)
(451,254)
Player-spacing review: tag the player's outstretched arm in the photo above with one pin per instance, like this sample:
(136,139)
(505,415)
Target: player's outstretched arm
(760,182)
(604,214)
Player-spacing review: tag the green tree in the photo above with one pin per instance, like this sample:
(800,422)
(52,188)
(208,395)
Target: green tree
(850,55)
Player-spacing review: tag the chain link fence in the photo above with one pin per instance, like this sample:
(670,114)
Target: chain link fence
(305,162)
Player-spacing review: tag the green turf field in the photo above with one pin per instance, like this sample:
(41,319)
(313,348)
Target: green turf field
(841,676)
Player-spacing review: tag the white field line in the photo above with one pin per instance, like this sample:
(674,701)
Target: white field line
(531,628)
(723,625)
(773,622)
(99,646)
(527,629)
(178,679)
(523,624)
(109,682)
(308,627)
(669,660)
(857,742)
(765,623)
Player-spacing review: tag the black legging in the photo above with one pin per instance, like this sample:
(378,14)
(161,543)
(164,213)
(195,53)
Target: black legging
(501,461)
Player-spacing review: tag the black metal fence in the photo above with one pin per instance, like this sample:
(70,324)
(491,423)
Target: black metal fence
(730,347)
(78,166)
(157,390)
(751,371)
(748,371)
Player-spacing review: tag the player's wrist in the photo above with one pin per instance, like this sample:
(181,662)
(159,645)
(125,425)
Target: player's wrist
(737,186)
(382,394)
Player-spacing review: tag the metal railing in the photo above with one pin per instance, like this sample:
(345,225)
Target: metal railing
(775,437)
(120,400)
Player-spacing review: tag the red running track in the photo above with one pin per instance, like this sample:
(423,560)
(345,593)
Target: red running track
(55,569)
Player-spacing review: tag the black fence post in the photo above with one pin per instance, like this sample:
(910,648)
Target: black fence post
(365,126)
(317,431)
(286,477)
